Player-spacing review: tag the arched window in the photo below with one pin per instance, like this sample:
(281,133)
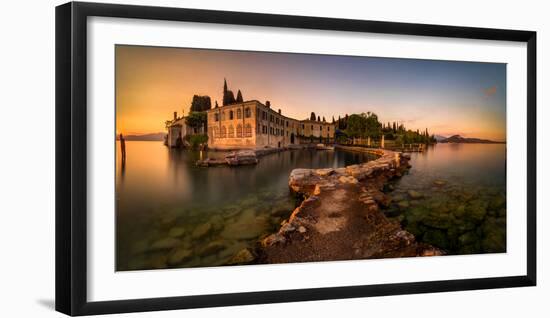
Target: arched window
(216,117)
(239,131)
(223,115)
(239,114)
(248,130)
(216,132)
(247,112)
(223,132)
(231,132)
(230,115)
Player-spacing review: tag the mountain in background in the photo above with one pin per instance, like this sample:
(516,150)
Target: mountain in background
(457,139)
(145,137)
(439,138)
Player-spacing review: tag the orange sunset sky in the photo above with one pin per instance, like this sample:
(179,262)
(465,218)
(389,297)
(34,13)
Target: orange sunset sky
(446,97)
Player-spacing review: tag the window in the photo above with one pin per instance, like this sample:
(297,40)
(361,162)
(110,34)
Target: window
(264,129)
(230,115)
(248,130)
(320,128)
(239,131)
(239,114)
(287,123)
(223,133)
(258,129)
(328,128)
(303,126)
(247,112)
(231,132)
(312,127)
(216,132)
(271,118)
(216,117)
(223,116)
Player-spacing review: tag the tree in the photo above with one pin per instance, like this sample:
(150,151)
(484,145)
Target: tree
(312,116)
(217,104)
(196,119)
(200,103)
(324,120)
(318,118)
(239,97)
(333,121)
(228,96)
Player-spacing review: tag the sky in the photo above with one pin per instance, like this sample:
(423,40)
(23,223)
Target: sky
(447,97)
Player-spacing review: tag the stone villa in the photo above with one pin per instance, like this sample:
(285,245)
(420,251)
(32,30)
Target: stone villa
(177,129)
(251,124)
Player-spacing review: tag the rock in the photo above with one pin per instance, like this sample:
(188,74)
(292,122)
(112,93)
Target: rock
(403,204)
(415,195)
(165,244)
(349,179)
(440,182)
(212,247)
(244,256)
(324,172)
(179,255)
(247,226)
(436,238)
(468,238)
(201,230)
(176,231)
(273,239)
(217,222)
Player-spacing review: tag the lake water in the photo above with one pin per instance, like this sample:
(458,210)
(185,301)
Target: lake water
(171,213)
(454,197)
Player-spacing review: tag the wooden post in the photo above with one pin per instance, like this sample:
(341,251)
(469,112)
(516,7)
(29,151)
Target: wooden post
(123,149)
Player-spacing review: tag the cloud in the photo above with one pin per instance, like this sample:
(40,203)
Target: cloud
(490,91)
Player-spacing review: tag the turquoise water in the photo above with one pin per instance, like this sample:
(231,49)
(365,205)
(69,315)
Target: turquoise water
(454,197)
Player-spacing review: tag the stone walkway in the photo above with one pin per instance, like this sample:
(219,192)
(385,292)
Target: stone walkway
(340,218)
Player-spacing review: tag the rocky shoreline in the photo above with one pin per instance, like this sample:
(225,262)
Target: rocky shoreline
(340,217)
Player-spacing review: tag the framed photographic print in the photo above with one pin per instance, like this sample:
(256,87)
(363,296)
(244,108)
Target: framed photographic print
(208,158)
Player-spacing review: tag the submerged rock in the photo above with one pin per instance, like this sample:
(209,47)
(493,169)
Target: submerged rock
(179,255)
(415,195)
(201,230)
(176,231)
(244,256)
(165,244)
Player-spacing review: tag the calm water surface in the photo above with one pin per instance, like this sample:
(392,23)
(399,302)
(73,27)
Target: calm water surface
(454,197)
(171,213)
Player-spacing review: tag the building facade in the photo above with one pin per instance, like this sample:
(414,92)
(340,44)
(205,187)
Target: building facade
(252,124)
(178,129)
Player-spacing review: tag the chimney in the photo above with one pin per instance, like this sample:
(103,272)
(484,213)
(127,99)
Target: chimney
(279,111)
(267,103)
(175,115)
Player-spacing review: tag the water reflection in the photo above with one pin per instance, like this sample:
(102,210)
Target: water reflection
(171,213)
(454,197)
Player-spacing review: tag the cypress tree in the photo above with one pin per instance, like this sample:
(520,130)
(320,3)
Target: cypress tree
(239,97)
(312,116)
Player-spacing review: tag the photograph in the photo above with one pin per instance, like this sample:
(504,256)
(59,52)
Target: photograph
(228,157)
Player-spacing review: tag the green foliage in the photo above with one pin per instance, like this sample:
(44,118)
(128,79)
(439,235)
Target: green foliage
(363,126)
(196,119)
(200,103)
(196,140)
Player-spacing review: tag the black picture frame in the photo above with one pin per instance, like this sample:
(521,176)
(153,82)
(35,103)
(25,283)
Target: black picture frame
(71,157)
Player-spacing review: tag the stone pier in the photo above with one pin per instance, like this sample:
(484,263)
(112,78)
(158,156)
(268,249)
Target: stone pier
(340,217)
